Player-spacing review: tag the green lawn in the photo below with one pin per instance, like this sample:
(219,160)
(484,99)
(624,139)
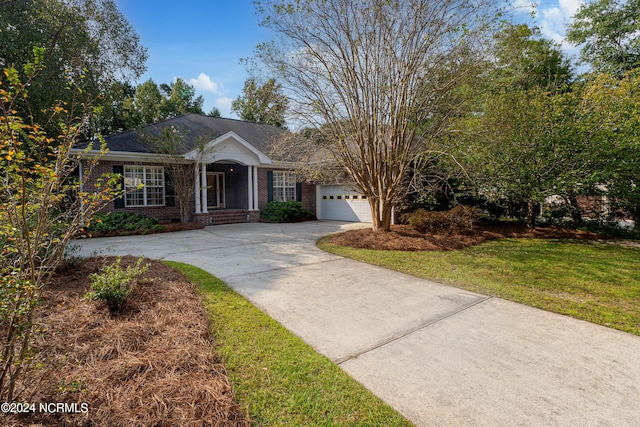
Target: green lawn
(281,380)
(592,281)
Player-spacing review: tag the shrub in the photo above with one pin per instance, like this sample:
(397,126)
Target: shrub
(290,211)
(127,222)
(42,207)
(460,218)
(113,285)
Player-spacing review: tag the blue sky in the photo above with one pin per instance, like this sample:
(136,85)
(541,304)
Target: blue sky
(202,41)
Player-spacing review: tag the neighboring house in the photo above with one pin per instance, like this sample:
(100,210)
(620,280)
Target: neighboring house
(233,177)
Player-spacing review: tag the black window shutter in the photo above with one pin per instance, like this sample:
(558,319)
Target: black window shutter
(298,192)
(119,202)
(270,186)
(169,190)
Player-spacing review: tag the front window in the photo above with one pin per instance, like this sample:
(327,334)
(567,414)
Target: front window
(284,186)
(144,185)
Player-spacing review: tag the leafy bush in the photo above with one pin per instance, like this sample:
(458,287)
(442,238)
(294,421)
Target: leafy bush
(126,222)
(612,227)
(113,285)
(42,207)
(290,211)
(460,218)
(607,226)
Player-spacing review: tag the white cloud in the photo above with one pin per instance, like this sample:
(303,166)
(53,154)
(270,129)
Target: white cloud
(570,7)
(551,16)
(224,105)
(553,22)
(204,83)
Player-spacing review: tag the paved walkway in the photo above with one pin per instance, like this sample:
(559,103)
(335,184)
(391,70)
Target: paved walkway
(440,355)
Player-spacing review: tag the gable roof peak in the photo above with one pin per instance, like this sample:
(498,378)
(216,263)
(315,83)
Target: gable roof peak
(195,126)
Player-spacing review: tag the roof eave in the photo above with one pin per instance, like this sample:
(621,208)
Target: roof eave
(128,155)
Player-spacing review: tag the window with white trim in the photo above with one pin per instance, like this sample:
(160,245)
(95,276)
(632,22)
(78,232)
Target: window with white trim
(143,185)
(284,186)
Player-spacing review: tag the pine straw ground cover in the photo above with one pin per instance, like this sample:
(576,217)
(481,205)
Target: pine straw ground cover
(406,238)
(151,365)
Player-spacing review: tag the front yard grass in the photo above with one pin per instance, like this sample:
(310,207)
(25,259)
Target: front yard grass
(592,281)
(279,379)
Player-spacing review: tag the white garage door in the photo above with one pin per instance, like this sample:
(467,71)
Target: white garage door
(341,204)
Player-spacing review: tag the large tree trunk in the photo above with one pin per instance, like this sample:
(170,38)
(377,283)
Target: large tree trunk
(381,213)
(576,210)
(387,213)
(376,220)
(533,209)
(185,210)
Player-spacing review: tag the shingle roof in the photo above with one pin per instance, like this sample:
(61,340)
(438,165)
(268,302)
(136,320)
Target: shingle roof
(261,136)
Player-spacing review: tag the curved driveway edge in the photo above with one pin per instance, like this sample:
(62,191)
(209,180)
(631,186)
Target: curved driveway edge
(440,355)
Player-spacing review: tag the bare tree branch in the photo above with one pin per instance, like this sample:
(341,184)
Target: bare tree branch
(367,74)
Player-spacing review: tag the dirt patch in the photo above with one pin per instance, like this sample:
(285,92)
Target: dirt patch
(406,238)
(151,365)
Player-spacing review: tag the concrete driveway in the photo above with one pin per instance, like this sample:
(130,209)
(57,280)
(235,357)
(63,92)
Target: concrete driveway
(439,355)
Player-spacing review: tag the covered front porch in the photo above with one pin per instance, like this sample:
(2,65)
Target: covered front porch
(226,181)
(226,194)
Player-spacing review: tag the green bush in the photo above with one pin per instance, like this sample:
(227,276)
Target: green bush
(290,211)
(113,285)
(459,219)
(126,222)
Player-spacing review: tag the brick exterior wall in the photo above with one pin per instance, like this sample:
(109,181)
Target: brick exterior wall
(263,196)
(309,197)
(308,192)
(172,213)
(162,213)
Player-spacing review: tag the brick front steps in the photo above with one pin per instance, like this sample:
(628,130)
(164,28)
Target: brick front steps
(227,216)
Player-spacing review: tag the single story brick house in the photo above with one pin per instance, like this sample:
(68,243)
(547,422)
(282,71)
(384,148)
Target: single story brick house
(233,177)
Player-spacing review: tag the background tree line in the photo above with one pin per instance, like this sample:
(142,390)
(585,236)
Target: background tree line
(531,128)
(459,106)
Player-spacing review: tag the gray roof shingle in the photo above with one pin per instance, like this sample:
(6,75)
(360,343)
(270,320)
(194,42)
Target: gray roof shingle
(195,127)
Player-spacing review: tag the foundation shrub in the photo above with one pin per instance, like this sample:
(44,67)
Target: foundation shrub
(123,222)
(459,219)
(114,285)
(290,211)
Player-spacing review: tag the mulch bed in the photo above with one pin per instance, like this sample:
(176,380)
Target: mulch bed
(152,364)
(406,238)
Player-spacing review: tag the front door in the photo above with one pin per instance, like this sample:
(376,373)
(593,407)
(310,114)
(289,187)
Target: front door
(215,190)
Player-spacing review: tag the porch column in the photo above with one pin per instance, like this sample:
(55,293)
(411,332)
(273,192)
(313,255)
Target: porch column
(204,188)
(255,187)
(197,188)
(249,188)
